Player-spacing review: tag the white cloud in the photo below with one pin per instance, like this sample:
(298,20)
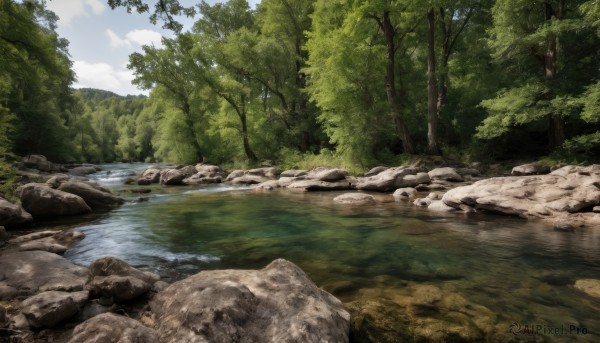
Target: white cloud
(144,37)
(115,41)
(67,10)
(139,37)
(104,76)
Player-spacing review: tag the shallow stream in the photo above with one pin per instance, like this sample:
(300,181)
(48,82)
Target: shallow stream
(505,270)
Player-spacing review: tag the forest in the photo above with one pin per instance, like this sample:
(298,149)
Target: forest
(352,83)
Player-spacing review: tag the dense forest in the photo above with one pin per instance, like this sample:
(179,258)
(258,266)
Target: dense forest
(346,82)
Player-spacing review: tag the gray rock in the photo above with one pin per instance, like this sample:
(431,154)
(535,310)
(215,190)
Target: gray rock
(48,309)
(596,209)
(43,201)
(209,169)
(414,180)
(56,180)
(404,193)
(268,172)
(566,190)
(40,163)
(93,197)
(268,185)
(108,266)
(385,181)
(202,179)
(171,177)
(149,176)
(422,202)
(13,215)
(328,175)
(315,185)
(355,199)
(376,170)
(276,304)
(83,170)
(446,174)
(112,328)
(440,206)
(293,173)
(530,169)
(28,272)
(121,288)
(248,179)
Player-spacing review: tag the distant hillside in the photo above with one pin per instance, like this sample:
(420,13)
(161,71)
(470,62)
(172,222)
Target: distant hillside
(96,95)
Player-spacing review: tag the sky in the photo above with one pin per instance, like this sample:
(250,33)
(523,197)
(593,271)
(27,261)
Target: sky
(102,39)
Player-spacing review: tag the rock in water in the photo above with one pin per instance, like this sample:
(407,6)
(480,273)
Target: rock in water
(276,304)
(94,197)
(590,287)
(111,328)
(355,199)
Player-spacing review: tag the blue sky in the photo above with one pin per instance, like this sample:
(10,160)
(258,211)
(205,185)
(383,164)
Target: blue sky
(101,40)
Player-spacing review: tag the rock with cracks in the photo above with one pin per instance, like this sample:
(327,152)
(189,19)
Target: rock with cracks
(276,304)
(112,328)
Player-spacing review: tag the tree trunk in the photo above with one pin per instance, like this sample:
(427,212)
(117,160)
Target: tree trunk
(192,133)
(556,127)
(243,118)
(432,94)
(389,32)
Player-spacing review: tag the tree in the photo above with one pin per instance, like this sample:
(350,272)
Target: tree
(167,68)
(528,34)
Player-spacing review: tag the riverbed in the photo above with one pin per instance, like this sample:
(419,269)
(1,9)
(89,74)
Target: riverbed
(516,271)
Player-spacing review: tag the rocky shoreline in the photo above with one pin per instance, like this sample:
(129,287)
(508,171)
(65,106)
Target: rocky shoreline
(46,298)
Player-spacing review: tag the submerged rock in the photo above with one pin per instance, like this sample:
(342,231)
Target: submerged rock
(276,304)
(590,287)
(112,328)
(355,199)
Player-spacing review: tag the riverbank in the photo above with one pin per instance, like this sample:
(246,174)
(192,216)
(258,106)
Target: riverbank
(379,295)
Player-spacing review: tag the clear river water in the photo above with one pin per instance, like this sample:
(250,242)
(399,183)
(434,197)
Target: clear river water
(507,271)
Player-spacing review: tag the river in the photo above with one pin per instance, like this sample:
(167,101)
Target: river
(520,271)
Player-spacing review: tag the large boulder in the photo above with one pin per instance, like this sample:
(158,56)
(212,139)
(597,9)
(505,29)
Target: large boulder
(94,197)
(445,174)
(172,177)
(566,190)
(205,174)
(27,272)
(43,201)
(112,328)
(386,180)
(40,163)
(13,215)
(328,175)
(48,309)
(150,175)
(276,304)
(293,173)
(252,176)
